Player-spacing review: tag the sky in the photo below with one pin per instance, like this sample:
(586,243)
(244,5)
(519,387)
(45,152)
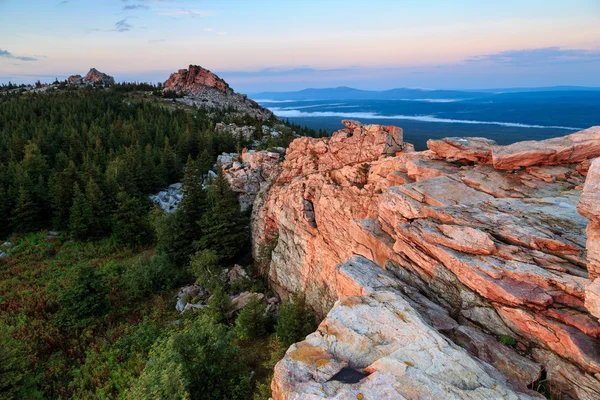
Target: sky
(279,45)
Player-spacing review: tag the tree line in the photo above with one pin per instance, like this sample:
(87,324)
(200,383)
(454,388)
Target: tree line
(76,156)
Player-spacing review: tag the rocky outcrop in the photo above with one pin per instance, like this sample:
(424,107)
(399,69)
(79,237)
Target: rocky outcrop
(248,172)
(98,78)
(74,79)
(168,199)
(481,253)
(570,149)
(93,77)
(202,88)
(589,206)
(195,79)
(391,345)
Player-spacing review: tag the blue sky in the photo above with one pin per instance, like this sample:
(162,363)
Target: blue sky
(286,45)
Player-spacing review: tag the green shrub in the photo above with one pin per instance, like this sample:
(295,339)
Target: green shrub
(149,274)
(198,362)
(85,298)
(13,365)
(204,265)
(219,305)
(508,340)
(294,323)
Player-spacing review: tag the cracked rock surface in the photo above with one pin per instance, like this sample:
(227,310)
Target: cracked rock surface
(484,242)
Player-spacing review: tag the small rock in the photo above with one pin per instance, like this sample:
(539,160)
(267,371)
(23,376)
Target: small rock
(235,274)
(241,300)
(190,306)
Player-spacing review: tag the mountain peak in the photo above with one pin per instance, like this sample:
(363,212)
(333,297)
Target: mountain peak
(93,77)
(194,79)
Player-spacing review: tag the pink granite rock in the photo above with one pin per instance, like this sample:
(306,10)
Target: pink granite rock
(504,251)
(569,149)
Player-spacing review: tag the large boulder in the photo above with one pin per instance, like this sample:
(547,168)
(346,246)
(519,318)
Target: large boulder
(393,354)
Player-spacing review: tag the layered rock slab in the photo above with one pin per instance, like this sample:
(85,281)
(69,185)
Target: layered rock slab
(569,149)
(503,253)
(384,337)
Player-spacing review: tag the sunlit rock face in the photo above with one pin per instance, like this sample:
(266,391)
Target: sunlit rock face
(489,238)
(248,172)
(202,88)
(93,77)
(589,206)
(195,78)
(391,343)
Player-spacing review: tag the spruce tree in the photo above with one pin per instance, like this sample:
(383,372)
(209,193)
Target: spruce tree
(180,231)
(81,215)
(25,214)
(224,227)
(131,225)
(193,202)
(251,322)
(87,297)
(31,210)
(99,221)
(295,322)
(5,205)
(204,162)
(169,163)
(62,184)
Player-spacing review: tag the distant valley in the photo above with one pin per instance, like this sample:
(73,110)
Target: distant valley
(507,117)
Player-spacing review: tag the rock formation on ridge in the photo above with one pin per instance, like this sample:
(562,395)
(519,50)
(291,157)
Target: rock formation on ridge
(475,242)
(202,88)
(248,173)
(93,77)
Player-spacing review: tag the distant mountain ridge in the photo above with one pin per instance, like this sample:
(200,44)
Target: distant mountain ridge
(348,93)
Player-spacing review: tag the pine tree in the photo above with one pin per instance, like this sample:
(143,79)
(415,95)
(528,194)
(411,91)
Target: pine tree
(224,227)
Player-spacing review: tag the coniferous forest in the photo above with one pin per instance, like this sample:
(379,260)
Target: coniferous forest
(91,267)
